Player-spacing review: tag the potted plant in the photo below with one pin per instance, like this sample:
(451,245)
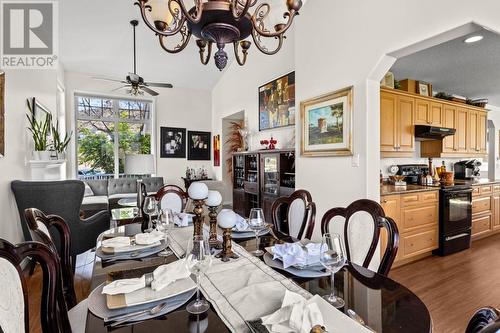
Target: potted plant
(60,143)
(39,131)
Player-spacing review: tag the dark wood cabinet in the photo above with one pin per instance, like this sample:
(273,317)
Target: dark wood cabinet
(259,178)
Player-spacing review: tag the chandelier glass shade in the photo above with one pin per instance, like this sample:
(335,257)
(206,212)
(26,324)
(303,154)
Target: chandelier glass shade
(218,23)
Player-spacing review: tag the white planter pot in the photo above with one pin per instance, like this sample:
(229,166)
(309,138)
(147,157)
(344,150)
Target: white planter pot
(36,155)
(45,155)
(61,156)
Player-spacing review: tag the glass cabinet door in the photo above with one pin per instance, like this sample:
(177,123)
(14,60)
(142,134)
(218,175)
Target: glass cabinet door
(271,175)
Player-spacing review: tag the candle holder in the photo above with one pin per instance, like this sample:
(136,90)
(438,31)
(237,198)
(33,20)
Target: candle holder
(227,251)
(213,241)
(198,218)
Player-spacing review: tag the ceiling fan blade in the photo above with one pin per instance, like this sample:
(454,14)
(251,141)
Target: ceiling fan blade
(149,91)
(122,87)
(109,79)
(159,85)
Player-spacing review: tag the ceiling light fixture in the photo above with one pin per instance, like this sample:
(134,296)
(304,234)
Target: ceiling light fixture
(218,22)
(473,39)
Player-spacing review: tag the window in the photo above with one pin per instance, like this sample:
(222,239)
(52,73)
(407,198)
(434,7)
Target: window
(108,129)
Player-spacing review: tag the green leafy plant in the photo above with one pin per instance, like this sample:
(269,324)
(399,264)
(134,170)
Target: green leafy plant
(60,143)
(39,129)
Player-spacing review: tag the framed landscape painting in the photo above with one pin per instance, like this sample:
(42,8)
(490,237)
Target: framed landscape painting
(327,124)
(172,142)
(199,144)
(277,103)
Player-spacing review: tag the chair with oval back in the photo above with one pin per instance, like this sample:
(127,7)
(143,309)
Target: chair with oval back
(14,318)
(300,213)
(172,197)
(484,320)
(360,224)
(39,225)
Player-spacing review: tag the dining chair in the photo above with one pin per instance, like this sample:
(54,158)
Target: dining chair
(172,197)
(484,320)
(14,314)
(294,215)
(39,225)
(360,224)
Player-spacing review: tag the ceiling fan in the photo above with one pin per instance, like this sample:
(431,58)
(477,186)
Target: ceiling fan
(134,83)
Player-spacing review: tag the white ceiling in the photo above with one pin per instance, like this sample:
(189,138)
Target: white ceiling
(471,70)
(96,39)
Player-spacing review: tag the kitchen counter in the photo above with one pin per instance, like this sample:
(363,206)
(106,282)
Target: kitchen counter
(478,182)
(388,189)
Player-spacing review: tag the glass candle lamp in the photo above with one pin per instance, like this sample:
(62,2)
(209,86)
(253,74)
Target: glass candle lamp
(198,192)
(226,220)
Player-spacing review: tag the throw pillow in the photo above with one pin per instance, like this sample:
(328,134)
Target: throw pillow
(88,191)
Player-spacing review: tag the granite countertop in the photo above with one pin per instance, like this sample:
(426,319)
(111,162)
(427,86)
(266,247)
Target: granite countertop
(388,189)
(479,181)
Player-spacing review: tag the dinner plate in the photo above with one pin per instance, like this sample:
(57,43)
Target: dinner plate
(97,305)
(248,234)
(305,273)
(136,253)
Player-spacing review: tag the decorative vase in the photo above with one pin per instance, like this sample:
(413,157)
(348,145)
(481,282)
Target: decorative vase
(45,155)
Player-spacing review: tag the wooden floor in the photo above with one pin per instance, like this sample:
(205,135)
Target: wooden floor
(451,287)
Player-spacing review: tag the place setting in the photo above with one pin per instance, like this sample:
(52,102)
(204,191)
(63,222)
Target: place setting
(254,226)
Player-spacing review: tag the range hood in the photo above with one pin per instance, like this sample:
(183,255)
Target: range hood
(425,132)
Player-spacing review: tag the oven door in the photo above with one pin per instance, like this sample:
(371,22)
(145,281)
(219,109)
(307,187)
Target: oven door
(456,214)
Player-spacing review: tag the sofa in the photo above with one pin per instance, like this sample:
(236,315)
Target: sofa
(104,194)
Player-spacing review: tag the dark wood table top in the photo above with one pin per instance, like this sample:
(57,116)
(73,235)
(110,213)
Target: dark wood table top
(385,305)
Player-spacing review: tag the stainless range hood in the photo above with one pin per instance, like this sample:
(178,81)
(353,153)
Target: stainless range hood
(425,132)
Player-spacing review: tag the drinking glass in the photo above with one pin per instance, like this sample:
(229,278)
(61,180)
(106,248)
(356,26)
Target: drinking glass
(166,222)
(198,260)
(257,223)
(333,258)
(150,208)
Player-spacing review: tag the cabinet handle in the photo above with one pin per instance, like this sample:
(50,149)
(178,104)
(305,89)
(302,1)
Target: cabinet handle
(384,201)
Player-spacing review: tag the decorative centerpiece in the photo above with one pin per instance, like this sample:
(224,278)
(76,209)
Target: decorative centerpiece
(214,200)
(226,220)
(198,192)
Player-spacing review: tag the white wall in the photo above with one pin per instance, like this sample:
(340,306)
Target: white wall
(173,107)
(20,85)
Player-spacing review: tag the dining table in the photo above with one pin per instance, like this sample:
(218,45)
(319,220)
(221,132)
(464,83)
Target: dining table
(385,305)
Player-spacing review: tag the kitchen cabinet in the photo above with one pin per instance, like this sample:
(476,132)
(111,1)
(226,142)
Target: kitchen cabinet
(436,114)
(450,144)
(495,203)
(422,112)
(473,132)
(397,137)
(462,133)
(482,132)
(485,210)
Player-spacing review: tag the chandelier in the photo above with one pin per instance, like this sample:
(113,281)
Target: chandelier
(218,22)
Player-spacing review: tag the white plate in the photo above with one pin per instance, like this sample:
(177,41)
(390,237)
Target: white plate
(305,273)
(248,234)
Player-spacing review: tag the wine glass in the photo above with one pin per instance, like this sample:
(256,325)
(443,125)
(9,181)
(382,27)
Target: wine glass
(198,260)
(166,222)
(150,208)
(257,223)
(333,258)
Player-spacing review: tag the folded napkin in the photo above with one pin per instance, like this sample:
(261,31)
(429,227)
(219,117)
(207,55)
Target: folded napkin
(241,224)
(292,254)
(167,274)
(116,242)
(183,219)
(295,315)
(162,277)
(149,238)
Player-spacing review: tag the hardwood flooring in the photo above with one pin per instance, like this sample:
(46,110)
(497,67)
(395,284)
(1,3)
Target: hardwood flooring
(451,287)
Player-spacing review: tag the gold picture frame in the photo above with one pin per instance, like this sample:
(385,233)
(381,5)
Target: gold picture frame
(327,124)
(2,114)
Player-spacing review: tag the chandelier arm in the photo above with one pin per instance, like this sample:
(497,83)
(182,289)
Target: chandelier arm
(199,10)
(167,32)
(235,4)
(179,47)
(262,48)
(205,60)
(240,61)
(262,12)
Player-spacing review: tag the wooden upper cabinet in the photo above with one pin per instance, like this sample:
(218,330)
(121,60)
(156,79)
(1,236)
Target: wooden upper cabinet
(422,112)
(481,132)
(406,133)
(388,140)
(473,133)
(436,114)
(462,133)
(450,121)
(396,123)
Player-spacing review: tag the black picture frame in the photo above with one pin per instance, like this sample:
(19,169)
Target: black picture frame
(199,146)
(283,109)
(172,142)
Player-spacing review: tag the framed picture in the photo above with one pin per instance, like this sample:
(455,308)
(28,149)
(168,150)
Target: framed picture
(327,124)
(277,103)
(172,142)
(2,114)
(216,150)
(199,146)
(424,88)
(388,80)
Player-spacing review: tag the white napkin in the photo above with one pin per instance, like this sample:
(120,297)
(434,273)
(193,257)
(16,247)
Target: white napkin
(149,238)
(116,242)
(295,315)
(183,219)
(294,254)
(167,274)
(241,224)
(124,286)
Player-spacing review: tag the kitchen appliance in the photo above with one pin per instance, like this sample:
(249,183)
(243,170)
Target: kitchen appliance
(467,169)
(426,132)
(455,218)
(413,172)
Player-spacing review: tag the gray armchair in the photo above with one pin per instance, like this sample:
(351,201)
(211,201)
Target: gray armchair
(63,198)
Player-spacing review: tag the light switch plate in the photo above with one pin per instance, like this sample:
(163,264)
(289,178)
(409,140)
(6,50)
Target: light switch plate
(355,160)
